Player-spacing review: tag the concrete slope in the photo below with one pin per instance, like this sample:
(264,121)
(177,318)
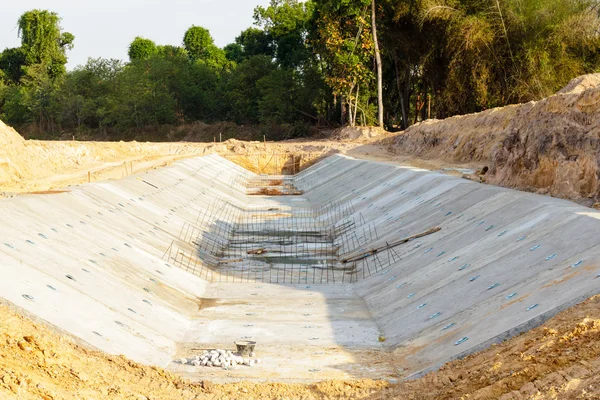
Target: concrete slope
(148,265)
(503,262)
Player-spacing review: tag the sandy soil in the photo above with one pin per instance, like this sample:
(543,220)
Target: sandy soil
(559,360)
(551,146)
(35,166)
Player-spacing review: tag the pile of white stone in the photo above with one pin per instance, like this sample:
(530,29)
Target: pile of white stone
(225,359)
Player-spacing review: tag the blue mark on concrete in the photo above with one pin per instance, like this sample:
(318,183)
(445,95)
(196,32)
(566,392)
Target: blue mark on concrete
(461,341)
(577,264)
(448,326)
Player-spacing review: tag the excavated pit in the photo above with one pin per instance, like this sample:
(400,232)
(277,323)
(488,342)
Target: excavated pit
(348,269)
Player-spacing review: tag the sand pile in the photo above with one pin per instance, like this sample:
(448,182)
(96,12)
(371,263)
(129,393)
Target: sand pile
(551,146)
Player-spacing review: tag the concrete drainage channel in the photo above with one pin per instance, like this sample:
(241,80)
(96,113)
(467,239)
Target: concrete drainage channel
(331,271)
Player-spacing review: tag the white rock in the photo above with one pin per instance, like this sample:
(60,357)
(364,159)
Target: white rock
(209,364)
(252,354)
(258,360)
(183,361)
(196,363)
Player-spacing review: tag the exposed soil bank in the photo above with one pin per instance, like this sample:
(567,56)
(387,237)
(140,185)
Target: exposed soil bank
(559,360)
(551,146)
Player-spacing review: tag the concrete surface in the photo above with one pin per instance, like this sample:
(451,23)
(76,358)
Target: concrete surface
(156,266)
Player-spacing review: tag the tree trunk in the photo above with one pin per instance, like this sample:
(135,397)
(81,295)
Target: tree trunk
(404,124)
(407,92)
(343,110)
(356,104)
(379,68)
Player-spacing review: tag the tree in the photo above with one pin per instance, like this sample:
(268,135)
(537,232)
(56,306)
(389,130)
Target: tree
(343,41)
(255,42)
(241,89)
(234,52)
(200,46)
(378,62)
(287,24)
(43,42)
(11,63)
(198,42)
(141,49)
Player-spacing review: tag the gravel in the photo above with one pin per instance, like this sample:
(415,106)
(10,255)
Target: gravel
(219,358)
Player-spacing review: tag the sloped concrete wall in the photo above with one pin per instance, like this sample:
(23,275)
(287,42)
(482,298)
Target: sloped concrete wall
(503,262)
(91,260)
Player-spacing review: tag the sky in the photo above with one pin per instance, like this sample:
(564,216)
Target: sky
(105,28)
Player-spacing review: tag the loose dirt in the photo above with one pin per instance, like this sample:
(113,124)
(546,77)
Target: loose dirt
(559,360)
(551,146)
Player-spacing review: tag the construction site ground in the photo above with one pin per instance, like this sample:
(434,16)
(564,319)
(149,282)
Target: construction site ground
(558,360)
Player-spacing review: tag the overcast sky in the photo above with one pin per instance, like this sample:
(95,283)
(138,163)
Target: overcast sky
(104,28)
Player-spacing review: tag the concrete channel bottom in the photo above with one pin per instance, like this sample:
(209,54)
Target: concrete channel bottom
(348,269)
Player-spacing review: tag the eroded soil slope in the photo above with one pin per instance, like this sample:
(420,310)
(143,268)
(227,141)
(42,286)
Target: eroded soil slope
(559,360)
(551,146)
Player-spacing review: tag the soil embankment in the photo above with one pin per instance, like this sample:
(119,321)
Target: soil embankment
(551,146)
(559,360)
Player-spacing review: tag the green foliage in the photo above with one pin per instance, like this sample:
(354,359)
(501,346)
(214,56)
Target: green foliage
(141,49)
(200,47)
(11,64)
(198,42)
(234,52)
(241,91)
(43,42)
(255,42)
(287,23)
(306,63)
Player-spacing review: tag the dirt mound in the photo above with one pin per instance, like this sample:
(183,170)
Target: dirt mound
(37,363)
(37,166)
(559,360)
(581,83)
(357,133)
(550,146)
(11,143)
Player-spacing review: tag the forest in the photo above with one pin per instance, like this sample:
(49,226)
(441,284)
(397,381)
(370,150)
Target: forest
(304,65)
